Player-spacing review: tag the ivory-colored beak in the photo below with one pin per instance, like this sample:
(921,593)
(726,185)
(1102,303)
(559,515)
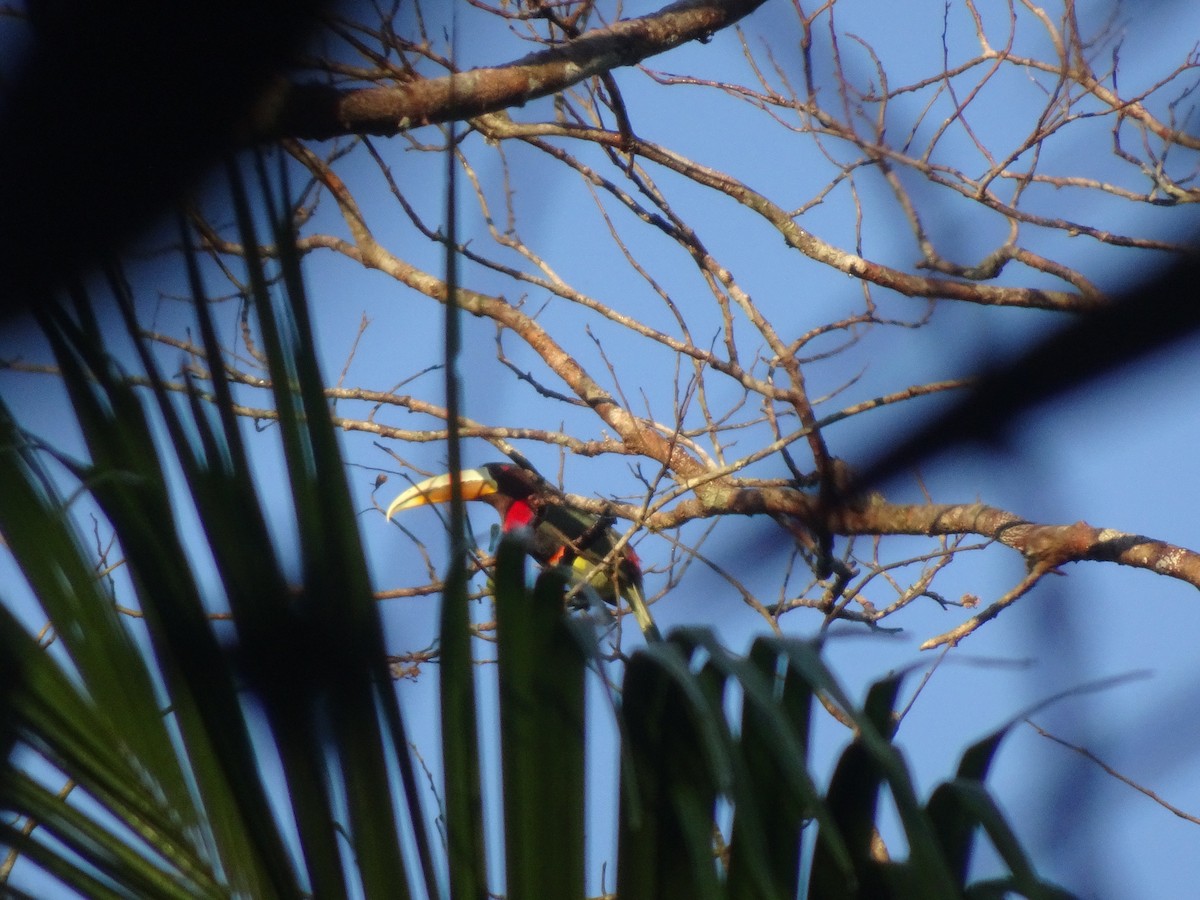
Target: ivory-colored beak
(476,483)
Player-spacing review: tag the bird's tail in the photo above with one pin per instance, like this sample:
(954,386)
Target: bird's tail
(641,613)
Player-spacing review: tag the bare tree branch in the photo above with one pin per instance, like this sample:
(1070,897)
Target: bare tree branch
(319,111)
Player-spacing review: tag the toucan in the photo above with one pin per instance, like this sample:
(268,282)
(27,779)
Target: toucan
(558,535)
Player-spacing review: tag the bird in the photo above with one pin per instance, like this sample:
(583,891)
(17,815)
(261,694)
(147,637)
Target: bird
(558,535)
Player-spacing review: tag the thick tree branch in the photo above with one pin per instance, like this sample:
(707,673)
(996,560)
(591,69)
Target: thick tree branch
(319,111)
(1044,546)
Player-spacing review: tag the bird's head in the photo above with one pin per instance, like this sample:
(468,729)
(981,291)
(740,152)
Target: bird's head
(504,486)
